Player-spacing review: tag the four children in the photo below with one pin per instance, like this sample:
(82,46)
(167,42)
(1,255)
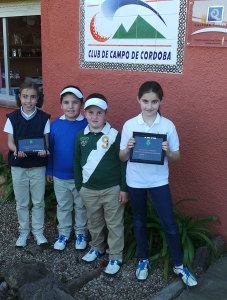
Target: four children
(84,165)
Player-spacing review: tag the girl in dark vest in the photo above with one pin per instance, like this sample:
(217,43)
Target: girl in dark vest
(28,171)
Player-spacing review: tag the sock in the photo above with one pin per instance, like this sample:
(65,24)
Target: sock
(144,260)
(179,267)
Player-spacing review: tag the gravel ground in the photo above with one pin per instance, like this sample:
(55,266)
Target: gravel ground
(67,265)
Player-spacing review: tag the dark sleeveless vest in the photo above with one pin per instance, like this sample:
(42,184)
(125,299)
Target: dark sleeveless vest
(23,128)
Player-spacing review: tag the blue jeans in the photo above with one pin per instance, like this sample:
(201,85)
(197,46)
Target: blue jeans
(161,198)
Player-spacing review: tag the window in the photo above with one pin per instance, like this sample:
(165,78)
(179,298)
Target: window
(20,47)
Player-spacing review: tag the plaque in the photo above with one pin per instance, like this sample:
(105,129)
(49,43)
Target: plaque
(148,148)
(31,145)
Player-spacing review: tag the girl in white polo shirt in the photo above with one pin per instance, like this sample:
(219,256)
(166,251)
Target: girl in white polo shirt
(142,178)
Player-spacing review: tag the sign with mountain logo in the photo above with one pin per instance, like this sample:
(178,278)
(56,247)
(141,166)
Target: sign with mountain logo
(133,35)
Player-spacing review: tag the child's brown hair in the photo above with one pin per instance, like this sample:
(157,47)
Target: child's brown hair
(27,84)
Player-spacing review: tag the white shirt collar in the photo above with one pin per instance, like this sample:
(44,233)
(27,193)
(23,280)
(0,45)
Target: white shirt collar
(28,116)
(105,129)
(141,120)
(79,118)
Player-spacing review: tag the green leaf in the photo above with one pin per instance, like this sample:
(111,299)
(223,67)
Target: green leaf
(130,252)
(185,254)
(7,197)
(186,200)
(150,240)
(164,244)
(166,266)
(178,214)
(202,236)
(153,266)
(153,225)
(155,257)
(202,221)
(9,186)
(191,250)
(199,228)
(183,234)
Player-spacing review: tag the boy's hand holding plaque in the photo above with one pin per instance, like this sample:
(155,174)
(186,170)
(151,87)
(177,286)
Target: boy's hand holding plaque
(148,148)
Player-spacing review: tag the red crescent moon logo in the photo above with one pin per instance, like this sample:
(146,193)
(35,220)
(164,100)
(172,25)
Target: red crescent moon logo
(95,33)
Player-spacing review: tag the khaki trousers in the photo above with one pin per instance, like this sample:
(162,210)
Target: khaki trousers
(69,199)
(103,208)
(26,181)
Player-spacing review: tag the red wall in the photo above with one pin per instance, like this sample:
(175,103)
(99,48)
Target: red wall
(195,101)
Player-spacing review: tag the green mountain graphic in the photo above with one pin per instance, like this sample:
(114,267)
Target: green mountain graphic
(140,29)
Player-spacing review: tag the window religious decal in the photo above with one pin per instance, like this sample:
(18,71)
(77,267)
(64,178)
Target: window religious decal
(146,35)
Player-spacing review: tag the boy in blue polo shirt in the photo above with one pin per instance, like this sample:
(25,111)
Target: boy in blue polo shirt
(60,168)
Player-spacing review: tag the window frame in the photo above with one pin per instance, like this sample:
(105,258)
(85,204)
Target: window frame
(13,9)
(7,96)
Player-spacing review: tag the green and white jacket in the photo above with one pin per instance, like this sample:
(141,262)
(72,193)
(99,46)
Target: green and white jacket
(96,160)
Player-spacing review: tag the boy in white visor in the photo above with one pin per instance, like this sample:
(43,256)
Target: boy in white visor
(100,180)
(60,169)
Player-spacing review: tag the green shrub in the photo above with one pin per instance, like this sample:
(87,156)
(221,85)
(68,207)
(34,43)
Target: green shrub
(7,182)
(50,199)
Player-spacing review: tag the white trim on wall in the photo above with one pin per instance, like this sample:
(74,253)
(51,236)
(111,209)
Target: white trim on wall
(15,8)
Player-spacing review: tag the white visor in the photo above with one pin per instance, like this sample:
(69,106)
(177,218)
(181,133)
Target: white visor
(97,102)
(72,90)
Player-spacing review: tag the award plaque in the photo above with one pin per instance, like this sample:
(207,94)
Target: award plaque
(31,145)
(148,148)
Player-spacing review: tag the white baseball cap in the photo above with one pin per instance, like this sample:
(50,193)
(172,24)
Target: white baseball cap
(72,90)
(97,102)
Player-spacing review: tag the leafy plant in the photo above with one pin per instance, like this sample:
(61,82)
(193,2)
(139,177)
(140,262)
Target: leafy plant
(192,234)
(130,242)
(6,181)
(50,199)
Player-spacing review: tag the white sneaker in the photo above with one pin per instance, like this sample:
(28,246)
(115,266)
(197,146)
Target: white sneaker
(92,255)
(186,276)
(22,240)
(142,269)
(113,266)
(60,243)
(81,242)
(40,239)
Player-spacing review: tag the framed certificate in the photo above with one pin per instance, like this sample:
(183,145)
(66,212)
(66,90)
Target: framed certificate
(148,148)
(31,145)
